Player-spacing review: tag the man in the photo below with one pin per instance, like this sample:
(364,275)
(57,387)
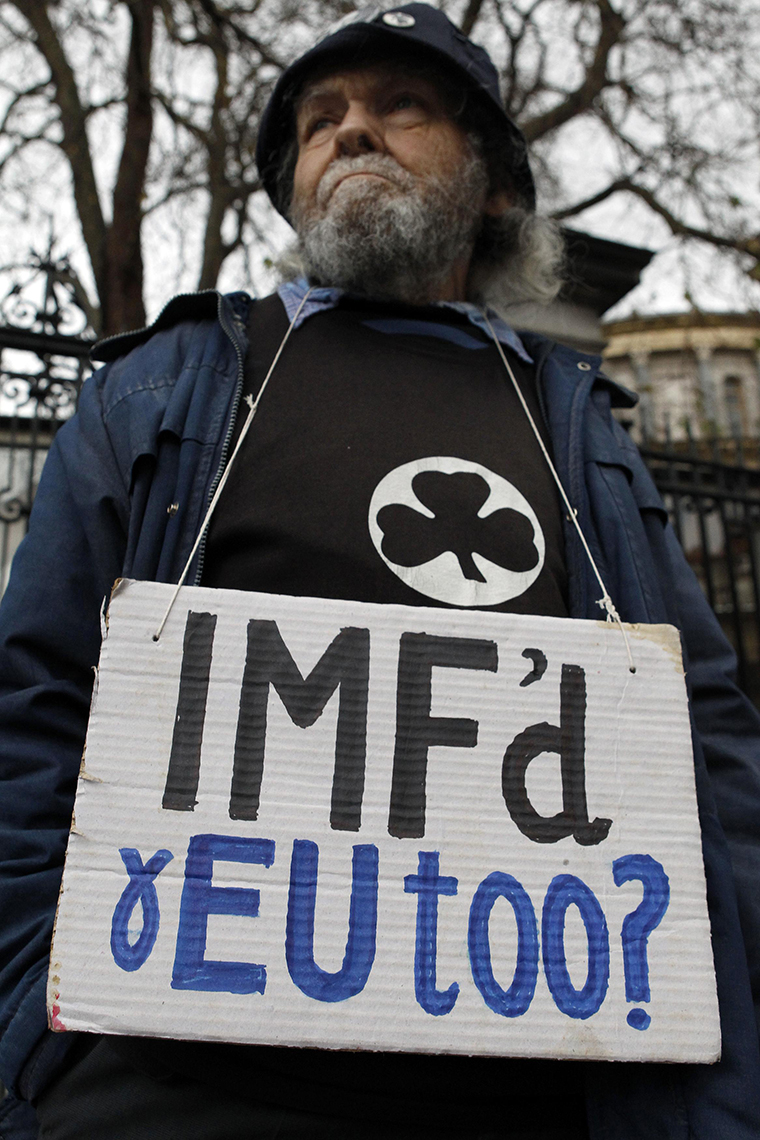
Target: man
(411,195)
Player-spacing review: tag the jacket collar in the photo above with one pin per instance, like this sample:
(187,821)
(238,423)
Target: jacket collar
(209,304)
(322,299)
(206,305)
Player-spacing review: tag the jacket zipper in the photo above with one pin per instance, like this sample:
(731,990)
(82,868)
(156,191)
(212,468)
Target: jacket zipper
(145,328)
(230,429)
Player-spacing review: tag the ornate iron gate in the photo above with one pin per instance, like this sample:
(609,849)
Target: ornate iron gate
(44,348)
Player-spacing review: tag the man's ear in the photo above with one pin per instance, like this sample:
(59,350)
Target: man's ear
(497,203)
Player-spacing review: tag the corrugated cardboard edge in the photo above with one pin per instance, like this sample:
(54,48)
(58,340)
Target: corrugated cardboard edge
(662,634)
(668,637)
(53,994)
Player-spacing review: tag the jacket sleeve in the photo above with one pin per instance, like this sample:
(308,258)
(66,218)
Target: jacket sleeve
(49,644)
(728,726)
(726,723)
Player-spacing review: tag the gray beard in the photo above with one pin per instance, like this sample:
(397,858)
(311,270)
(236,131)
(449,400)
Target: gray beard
(395,242)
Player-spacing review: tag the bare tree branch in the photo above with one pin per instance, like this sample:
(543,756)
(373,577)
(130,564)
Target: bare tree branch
(73,123)
(611,27)
(680,228)
(594,200)
(181,120)
(21,142)
(176,190)
(18,97)
(470,18)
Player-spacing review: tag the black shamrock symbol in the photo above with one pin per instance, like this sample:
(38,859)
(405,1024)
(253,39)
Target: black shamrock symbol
(410,539)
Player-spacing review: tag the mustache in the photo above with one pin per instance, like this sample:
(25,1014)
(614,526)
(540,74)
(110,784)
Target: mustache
(381,164)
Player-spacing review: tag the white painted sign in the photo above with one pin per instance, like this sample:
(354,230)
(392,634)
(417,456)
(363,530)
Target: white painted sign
(312,822)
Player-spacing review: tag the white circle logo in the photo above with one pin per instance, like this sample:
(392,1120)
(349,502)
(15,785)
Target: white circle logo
(457,532)
(398,19)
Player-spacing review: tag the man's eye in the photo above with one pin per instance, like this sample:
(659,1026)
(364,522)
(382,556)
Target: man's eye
(403,102)
(314,125)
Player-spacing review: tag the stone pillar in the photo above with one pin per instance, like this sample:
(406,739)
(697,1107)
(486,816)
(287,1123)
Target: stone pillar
(640,362)
(706,384)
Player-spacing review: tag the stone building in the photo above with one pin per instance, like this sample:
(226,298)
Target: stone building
(697,375)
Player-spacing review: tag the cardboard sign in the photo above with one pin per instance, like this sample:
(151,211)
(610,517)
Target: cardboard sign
(324,823)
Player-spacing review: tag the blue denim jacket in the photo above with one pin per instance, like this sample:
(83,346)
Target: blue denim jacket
(152,431)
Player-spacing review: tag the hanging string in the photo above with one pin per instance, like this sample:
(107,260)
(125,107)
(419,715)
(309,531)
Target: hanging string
(253,408)
(605,602)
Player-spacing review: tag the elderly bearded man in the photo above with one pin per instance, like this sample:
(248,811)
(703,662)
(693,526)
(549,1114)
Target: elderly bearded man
(410,191)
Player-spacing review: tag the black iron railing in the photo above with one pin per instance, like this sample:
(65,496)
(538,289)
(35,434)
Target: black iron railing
(715,509)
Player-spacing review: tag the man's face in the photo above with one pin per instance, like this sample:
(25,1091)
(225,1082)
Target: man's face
(388,191)
(381,110)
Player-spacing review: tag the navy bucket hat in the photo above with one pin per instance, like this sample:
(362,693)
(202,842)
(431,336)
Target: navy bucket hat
(414,29)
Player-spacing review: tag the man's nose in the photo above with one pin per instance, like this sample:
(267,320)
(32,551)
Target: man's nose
(358,132)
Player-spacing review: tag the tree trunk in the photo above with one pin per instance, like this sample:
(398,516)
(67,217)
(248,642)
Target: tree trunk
(122,295)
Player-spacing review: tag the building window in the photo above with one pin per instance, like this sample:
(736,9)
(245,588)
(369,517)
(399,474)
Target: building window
(734,401)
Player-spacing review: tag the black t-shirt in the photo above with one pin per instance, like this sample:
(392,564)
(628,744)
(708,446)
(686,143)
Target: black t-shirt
(389,461)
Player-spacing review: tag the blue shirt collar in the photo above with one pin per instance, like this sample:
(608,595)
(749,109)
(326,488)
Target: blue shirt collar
(324,298)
